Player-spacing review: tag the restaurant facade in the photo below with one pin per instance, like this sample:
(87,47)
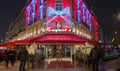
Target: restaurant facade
(59,28)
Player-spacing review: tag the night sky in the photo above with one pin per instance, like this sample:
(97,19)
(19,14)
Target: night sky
(104,10)
(9,10)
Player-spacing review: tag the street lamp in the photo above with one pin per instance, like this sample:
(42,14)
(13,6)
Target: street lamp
(115,32)
(118,17)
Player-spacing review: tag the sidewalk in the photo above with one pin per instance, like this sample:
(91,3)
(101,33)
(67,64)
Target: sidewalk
(109,66)
(113,65)
(10,68)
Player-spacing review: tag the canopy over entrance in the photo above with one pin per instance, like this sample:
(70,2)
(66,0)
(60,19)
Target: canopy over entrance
(55,39)
(8,44)
(61,39)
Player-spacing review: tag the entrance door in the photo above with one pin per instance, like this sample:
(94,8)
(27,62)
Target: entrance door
(62,51)
(55,51)
(58,51)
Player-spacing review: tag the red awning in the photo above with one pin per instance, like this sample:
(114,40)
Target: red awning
(54,39)
(61,39)
(25,41)
(8,44)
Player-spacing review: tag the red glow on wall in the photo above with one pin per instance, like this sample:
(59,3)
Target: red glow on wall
(37,9)
(75,9)
(59,19)
(96,27)
(67,3)
(51,3)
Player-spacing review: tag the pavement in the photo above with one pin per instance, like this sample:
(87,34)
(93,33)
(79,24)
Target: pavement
(113,65)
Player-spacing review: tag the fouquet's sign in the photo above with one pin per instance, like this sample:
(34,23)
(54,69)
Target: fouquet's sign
(59,28)
(49,29)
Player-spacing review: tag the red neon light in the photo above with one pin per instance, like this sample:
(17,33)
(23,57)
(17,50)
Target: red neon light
(37,9)
(95,22)
(49,29)
(75,9)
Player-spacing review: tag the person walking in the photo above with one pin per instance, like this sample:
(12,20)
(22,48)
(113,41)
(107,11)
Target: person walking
(23,54)
(101,60)
(12,56)
(95,56)
(1,58)
(6,57)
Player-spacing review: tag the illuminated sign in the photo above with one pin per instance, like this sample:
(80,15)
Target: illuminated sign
(49,29)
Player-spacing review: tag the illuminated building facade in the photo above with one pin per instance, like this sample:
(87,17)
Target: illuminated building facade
(56,17)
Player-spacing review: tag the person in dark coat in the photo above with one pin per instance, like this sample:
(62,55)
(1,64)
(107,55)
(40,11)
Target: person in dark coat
(23,54)
(95,56)
(101,61)
(12,56)
(6,56)
(1,58)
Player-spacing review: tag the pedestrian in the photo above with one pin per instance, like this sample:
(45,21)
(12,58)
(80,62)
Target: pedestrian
(6,56)
(95,56)
(89,61)
(23,54)
(12,56)
(101,60)
(1,58)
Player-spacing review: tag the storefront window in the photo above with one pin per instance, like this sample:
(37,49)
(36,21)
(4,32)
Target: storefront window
(67,52)
(50,53)
(61,51)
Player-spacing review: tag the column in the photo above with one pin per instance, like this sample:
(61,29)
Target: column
(71,52)
(46,52)
(65,51)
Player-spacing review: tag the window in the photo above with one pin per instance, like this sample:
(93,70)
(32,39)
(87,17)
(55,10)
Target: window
(58,6)
(58,25)
(59,1)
